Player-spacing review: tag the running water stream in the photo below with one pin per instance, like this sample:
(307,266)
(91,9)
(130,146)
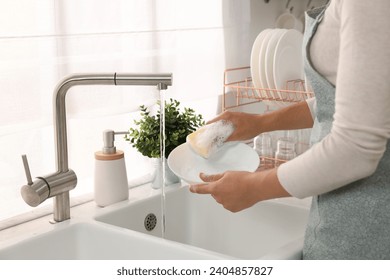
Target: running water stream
(162,159)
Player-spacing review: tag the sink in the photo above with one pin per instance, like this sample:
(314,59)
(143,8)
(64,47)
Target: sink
(93,241)
(268,230)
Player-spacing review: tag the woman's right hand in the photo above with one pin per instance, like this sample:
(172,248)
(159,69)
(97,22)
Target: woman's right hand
(246,126)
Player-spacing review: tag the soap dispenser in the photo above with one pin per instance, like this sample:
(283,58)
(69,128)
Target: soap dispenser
(110,181)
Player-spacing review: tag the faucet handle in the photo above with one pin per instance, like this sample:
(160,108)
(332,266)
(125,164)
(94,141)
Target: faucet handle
(34,193)
(27,170)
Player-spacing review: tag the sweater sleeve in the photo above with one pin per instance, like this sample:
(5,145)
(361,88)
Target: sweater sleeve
(361,126)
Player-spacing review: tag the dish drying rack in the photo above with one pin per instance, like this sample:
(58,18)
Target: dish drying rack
(237,82)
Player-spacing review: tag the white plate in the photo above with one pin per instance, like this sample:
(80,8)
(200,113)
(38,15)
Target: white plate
(263,50)
(269,59)
(186,164)
(255,59)
(287,60)
(261,64)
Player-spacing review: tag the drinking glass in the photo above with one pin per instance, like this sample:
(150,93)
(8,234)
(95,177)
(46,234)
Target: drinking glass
(285,150)
(263,147)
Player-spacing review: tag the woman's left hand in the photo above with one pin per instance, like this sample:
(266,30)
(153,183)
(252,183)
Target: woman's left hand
(229,189)
(238,190)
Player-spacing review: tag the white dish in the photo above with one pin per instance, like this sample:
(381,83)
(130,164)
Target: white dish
(263,50)
(255,59)
(287,60)
(269,59)
(186,164)
(261,64)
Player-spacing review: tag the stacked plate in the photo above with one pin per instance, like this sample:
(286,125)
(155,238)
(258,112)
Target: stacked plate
(275,59)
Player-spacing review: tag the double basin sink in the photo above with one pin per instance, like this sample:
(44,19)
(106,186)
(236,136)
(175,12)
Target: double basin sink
(196,227)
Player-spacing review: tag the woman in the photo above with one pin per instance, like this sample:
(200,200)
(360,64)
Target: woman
(347,169)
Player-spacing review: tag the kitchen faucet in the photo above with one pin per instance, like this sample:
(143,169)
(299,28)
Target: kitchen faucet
(59,183)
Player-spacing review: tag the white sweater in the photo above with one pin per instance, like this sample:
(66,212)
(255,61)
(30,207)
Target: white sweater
(351,49)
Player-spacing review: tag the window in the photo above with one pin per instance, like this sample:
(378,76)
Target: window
(40,44)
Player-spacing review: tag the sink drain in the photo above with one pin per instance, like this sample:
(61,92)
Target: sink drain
(150,222)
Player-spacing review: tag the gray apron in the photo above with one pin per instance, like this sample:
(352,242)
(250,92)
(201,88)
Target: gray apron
(352,222)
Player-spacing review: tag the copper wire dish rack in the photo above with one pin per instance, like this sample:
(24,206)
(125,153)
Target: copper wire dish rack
(237,82)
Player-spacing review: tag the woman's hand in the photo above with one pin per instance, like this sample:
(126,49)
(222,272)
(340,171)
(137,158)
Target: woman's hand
(238,190)
(246,126)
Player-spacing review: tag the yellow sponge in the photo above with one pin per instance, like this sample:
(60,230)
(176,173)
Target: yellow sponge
(208,139)
(200,148)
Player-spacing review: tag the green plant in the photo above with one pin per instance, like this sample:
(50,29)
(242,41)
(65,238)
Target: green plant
(178,124)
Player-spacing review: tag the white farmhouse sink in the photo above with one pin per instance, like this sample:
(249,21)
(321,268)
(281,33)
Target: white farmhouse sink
(267,230)
(96,241)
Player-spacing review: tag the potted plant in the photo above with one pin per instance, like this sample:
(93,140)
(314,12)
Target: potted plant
(145,137)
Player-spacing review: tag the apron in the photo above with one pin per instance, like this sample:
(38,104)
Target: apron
(352,222)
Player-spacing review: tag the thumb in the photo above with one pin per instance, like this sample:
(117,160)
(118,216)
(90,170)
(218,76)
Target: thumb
(217,118)
(210,178)
(205,188)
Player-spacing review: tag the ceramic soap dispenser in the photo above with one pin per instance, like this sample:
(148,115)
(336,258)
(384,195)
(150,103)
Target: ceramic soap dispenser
(110,181)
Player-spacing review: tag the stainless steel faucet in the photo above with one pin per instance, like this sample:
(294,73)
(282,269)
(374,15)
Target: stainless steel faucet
(59,183)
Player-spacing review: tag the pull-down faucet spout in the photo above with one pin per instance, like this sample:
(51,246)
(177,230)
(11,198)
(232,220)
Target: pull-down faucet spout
(59,183)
